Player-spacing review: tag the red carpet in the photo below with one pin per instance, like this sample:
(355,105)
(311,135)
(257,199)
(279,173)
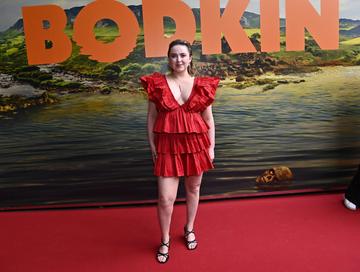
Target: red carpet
(295,233)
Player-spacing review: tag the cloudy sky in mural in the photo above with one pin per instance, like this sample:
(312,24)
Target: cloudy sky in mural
(10,11)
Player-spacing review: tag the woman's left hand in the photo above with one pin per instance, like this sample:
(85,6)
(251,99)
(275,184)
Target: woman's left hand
(212,154)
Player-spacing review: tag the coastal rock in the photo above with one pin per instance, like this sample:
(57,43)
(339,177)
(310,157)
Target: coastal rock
(249,72)
(5,85)
(105,90)
(240,78)
(6,108)
(5,81)
(271,61)
(9,103)
(298,81)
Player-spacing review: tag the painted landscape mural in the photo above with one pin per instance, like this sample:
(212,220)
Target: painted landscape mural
(75,132)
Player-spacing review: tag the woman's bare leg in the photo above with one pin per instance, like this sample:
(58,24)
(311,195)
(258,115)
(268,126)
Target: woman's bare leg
(192,186)
(167,191)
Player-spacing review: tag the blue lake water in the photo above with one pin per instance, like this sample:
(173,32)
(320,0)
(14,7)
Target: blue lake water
(93,148)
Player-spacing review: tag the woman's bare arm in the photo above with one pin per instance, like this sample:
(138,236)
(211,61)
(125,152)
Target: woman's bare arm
(209,119)
(151,117)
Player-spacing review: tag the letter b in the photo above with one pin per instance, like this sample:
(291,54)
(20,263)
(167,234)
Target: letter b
(36,34)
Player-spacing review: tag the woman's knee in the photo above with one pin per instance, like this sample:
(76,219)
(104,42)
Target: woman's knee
(166,201)
(193,187)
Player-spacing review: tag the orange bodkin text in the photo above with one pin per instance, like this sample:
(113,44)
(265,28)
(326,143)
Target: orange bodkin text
(300,15)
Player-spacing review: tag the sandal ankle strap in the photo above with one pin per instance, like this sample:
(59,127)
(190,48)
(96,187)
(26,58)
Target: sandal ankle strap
(187,232)
(165,244)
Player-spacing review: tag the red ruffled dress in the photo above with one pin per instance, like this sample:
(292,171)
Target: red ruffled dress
(180,133)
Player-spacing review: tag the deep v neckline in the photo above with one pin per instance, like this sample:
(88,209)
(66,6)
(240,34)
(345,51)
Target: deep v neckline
(172,95)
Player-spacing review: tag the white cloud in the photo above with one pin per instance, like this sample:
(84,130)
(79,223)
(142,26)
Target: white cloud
(350,9)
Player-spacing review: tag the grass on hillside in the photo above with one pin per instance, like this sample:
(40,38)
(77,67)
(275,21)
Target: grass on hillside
(355,41)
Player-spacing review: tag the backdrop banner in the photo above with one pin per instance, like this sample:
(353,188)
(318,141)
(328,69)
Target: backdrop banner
(73,112)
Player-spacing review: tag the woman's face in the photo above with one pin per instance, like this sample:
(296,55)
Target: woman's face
(179,58)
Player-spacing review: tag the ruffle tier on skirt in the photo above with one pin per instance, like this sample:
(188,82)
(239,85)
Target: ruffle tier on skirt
(182,154)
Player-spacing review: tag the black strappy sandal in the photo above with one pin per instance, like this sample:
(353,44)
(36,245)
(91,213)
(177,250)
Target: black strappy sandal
(188,243)
(166,255)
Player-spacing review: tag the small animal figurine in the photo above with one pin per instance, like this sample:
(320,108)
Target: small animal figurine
(277,173)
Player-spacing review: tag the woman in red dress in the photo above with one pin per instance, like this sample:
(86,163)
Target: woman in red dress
(181,134)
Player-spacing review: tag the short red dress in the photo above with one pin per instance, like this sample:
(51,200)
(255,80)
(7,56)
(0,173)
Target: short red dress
(180,133)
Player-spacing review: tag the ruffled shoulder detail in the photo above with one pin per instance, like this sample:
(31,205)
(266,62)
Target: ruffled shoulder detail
(155,85)
(149,83)
(205,93)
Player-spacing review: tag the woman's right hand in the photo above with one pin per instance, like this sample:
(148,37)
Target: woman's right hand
(153,154)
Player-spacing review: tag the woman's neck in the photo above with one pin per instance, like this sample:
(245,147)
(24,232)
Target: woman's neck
(180,75)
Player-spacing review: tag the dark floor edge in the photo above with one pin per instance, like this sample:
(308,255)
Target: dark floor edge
(208,198)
